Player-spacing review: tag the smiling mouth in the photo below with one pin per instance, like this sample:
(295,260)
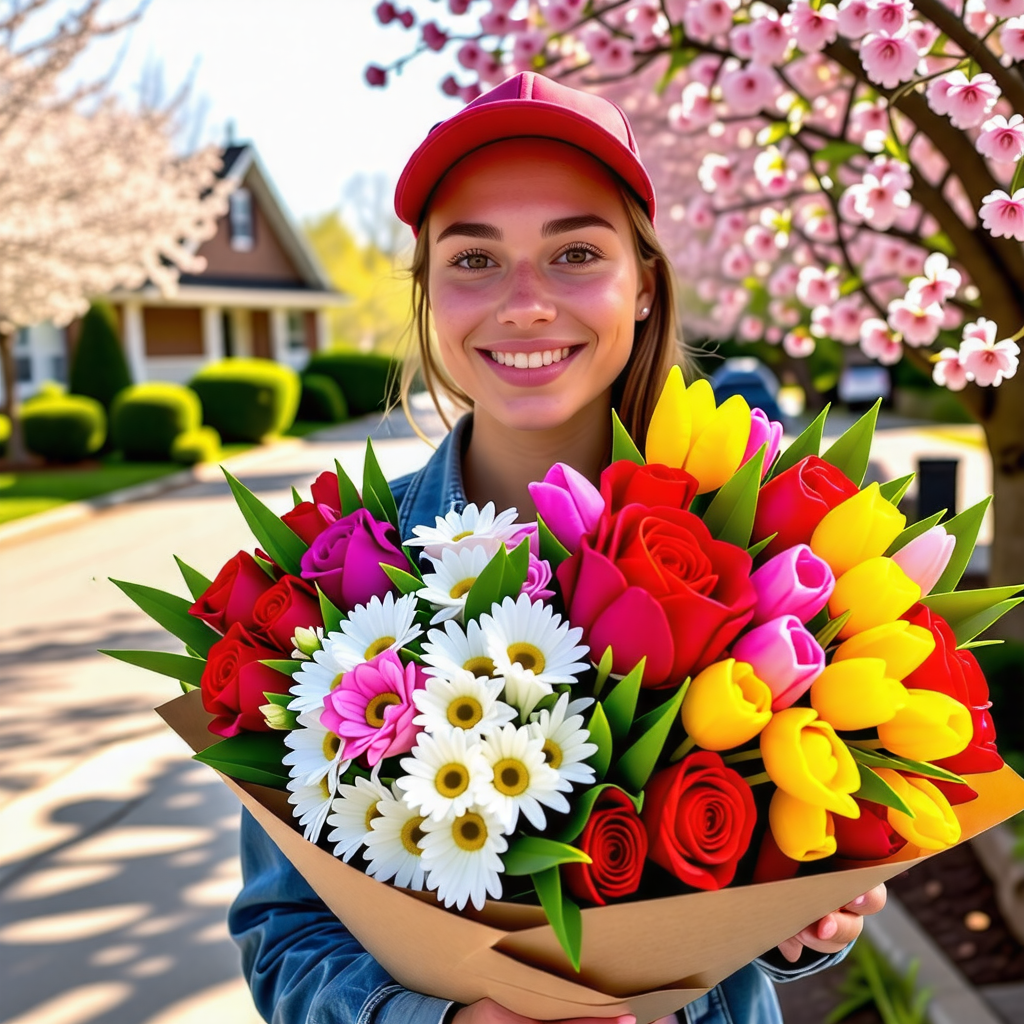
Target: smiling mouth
(531,360)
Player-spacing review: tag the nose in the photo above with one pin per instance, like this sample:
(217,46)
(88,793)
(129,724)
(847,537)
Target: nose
(527,300)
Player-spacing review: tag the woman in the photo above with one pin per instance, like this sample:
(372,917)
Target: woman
(551,301)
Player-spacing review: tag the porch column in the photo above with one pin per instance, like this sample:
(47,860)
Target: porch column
(279,335)
(323,336)
(135,341)
(213,334)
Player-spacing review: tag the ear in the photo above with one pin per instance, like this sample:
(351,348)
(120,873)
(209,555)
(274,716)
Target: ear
(645,293)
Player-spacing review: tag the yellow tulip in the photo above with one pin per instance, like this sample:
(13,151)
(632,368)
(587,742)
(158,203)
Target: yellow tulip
(876,591)
(859,528)
(934,826)
(726,705)
(687,431)
(901,645)
(802,831)
(857,694)
(803,755)
(932,725)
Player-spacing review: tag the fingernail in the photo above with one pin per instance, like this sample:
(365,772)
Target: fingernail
(859,901)
(828,927)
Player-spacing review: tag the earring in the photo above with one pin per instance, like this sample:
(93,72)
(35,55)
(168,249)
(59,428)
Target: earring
(644,312)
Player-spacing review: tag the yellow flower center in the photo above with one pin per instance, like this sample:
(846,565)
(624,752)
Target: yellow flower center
(412,834)
(336,681)
(526,656)
(379,646)
(378,705)
(462,588)
(452,780)
(331,746)
(462,536)
(511,777)
(552,753)
(479,666)
(469,832)
(372,813)
(325,788)
(465,712)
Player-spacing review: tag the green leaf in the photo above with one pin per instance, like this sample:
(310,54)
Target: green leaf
(347,493)
(964,528)
(531,855)
(196,582)
(623,446)
(376,492)
(563,915)
(831,629)
(177,666)
(487,590)
(913,531)
(773,133)
(187,687)
(620,704)
(970,612)
(405,581)
(296,498)
(636,765)
(250,757)
(807,443)
(851,452)
(283,546)
(730,516)
(580,814)
(875,759)
(517,569)
(971,644)
(171,612)
(893,490)
(755,549)
(838,152)
(282,700)
(286,666)
(332,615)
(268,567)
(278,718)
(601,734)
(968,629)
(551,548)
(873,788)
(604,670)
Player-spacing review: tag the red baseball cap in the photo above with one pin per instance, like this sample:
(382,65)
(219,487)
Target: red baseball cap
(525,105)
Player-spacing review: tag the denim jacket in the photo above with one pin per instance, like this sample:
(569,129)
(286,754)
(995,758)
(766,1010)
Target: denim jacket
(302,964)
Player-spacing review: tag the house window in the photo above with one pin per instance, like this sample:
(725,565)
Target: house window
(59,368)
(240,220)
(296,331)
(22,357)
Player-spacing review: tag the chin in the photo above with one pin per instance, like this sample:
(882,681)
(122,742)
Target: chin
(531,413)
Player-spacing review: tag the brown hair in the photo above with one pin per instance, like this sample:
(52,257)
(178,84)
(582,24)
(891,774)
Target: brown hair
(657,345)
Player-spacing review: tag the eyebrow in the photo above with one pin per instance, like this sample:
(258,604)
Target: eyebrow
(551,227)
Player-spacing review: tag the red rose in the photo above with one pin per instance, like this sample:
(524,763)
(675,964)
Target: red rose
(288,604)
(307,521)
(234,682)
(230,598)
(654,583)
(699,816)
(324,491)
(869,837)
(616,842)
(794,502)
(625,483)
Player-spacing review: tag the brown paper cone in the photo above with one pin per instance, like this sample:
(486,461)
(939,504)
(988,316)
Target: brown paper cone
(647,958)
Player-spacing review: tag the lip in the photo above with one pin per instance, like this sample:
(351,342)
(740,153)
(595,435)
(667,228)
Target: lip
(529,376)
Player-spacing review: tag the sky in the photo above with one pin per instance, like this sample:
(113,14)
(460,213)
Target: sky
(289,75)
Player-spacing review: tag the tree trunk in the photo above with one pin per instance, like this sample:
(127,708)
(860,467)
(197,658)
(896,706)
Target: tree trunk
(15,446)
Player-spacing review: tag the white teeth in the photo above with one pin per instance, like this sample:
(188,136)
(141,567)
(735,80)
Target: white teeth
(547,357)
(522,361)
(565,353)
(533,360)
(536,359)
(556,356)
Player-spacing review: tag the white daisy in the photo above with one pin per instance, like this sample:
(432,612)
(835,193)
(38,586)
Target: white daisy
(314,752)
(446,589)
(521,778)
(310,804)
(462,701)
(566,744)
(316,679)
(393,845)
(352,813)
(453,648)
(462,857)
(445,774)
(472,527)
(373,628)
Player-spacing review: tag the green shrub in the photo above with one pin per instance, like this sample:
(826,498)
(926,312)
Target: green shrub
(368,380)
(322,400)
(248,399)
(98,367)
(146,418)
(199,445)
(64,428)
(1001,664)
(5,433)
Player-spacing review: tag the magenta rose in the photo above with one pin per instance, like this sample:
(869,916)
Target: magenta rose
(345,560)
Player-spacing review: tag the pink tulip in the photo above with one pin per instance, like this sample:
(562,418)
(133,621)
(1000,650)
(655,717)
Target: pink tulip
(569,504)
(784,655)
(925,558)
(795,582)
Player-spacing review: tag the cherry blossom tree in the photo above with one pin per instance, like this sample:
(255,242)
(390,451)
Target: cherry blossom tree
(92,195)
(849,174)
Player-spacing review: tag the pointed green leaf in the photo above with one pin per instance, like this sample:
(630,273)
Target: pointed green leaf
(282,700)
(876,759)
(171,612)
(376,491)
(636,765)
(283,546)
(831,629)
(196,582)
(755,549)
(296,498)
(405,581)
(601,734)
(563,915)
(551,548)
(912,531)
(894,490)
(967,629)
(971,644)
(604,670)
(620,704)
(730,516)
(250,757)
(187,687)
(580,814)
(851,452)
(487,590)
(177,666)
(332,615)
(517,569)
(807,443)
(964,528)
(286,666)
(268,567)
(529,855)
(873,788)
(965,609)
(623,446)
(347,493)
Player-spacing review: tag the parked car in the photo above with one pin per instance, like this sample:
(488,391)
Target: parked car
(861,386)
(749,377)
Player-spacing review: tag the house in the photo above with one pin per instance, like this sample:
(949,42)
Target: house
(263,293)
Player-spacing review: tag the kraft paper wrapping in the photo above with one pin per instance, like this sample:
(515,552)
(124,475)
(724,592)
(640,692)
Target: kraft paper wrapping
(647,958)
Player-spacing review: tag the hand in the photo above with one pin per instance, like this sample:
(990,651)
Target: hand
(487,1011)
(835,930)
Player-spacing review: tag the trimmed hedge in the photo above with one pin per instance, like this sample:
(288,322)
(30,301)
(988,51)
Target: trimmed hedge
(368,380)
(98,367)
(248,399)
(322,400)
(64,428)
(5,433)
(199,445)
(146,418)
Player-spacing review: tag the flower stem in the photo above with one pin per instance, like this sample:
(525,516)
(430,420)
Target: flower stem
(865,744)
(743,755)
(683,749)
(758,779)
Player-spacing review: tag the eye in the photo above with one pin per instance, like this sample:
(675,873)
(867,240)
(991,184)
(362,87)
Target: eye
(472,259)
(579,254)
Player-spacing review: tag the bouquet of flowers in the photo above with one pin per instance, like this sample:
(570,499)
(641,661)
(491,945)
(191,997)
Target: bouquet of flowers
(727,666)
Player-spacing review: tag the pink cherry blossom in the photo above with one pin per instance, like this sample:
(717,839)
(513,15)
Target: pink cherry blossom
(783,314)
(888,60)
(769,38)
(782,283)
(760,242)
(822,322)
(696,104)
(736,263)
(716,16)
(740,41)
(986,361)
(948,371)
(847,316)
(940,281)
(970,101)
(560,14)
(700,213)
(977,19)
(798,345)
(528,45)
(889,16)
(1003,215)
(878,200)
(750,90)
(923,35)
(852,18)
(705,68)
(919,325)
(1011,38)
(751,328)
(813,29)
(1002,139)
(716,172)
(1005,8)
(877,341)
(615,59)
(816,287)
(470,54)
